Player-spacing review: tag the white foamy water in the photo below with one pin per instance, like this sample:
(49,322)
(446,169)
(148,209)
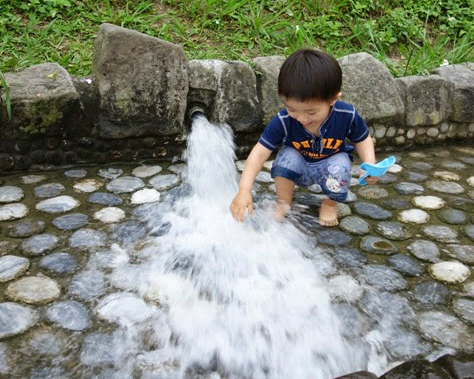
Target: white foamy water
(206,294)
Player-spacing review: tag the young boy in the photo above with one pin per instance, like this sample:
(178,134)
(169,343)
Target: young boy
(312,130)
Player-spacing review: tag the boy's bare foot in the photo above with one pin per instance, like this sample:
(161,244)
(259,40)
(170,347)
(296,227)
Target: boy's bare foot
(281,209)
(328,213)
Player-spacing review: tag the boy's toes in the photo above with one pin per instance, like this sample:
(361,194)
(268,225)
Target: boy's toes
(328,221)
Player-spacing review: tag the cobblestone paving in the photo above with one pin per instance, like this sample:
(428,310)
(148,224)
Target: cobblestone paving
(411,237)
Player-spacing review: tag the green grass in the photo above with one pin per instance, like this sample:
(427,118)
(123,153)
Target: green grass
(411,38)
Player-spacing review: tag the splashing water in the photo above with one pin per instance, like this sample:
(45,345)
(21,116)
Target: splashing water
(237,299)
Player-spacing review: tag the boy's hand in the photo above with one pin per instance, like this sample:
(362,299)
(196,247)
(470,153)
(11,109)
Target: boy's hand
(369,179)
(242,200)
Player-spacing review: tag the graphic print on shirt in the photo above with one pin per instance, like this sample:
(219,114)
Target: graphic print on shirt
(328,143)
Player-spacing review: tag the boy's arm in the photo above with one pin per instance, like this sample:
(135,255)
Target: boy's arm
(253,165)
(365,150)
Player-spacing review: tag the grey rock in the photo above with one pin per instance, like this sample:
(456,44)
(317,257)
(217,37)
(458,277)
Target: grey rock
(45,342)
(97,350)
(13,211)
(468,160)
(465,309)
(71,221)
(425,250)
(387,306)
(76,173)
(49,373)
(349,257)
(406,265)
(128,232)
(469,231)
(463,253)
(59,263)
(7,247)
(228,90)
(87,238)
(430,294)
(104,198)
(371,88)
(427,99)
(373,192)
(267,70)
(36,290)
(463,95)
(33,179)
(58,204)
(416,177)
(453,216)
(5,365)
(393,230)
(11,267)
(384,278)
(461,203)
(49,190)
(69,315)
(453,165)
(445,328)
(377,245)
(39,244)
(406,188)
(396,203)
(88,285)
(164,182)
(16,319)
(10,194)
(26,228)
(333,238)
(110,173)
(142,82)
(420,166)
(125,184)
(445,187)
(387,179)
(440,233)
(44,100)
(354,225)
(372,211)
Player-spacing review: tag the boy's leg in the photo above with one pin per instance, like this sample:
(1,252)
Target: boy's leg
(334,177)
(289,169)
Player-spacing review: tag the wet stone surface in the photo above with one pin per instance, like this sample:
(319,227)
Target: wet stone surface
(71,239)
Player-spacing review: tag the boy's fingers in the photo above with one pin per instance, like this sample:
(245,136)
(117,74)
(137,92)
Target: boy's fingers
(250,209)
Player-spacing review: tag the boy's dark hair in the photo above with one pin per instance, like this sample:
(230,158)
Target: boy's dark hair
(310,75)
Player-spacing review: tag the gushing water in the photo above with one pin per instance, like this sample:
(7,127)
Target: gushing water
(219,296)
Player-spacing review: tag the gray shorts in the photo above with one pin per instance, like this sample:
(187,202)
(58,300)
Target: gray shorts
(333,174)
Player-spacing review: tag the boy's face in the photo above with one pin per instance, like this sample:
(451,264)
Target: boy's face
(310,113)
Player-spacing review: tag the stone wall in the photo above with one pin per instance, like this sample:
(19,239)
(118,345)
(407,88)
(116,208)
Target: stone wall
(136,104)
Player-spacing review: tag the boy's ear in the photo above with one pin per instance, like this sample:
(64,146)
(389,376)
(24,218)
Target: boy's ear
(336,98)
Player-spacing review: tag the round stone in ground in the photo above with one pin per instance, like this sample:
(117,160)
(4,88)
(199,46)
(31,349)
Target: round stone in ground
(343,210)
(13,211)
(10,194)
(60,204)
(407,188)
(164,182)
(470,181)
(88,285)
(469,231)
(372,211)
(97,350)
(349,257)
(430,294)
(333,238)
(377,245)
(345,288)
(445,187)
(420,166)
(181,169)
(387,179)
(5,365)
(146,171)
(104,198)
(45,342)
(414,216)
(110,173)
(428,202)
(372,192)
(446,329)
(69,315)
(146,195)
(393,230)
(88,185)
(264,177)
(453,216)
(124,308)
(88,238)
(453,165)
(33,179)
(26,228)
(384,278)
(396,203)
(354,225)
(468,288)
(16,319)
(471,194)
(71,221)
(424,250)
(395,169)
(461,203)
(416,177)
(76,173)
(59,263)
(125,184)
(39,244)
(33,290)
(49,190)
(465,309)
(406,265)
(110,215)
(128,232)
(440,233)
(11,267)
(447,176)
(464,253)
(449,271)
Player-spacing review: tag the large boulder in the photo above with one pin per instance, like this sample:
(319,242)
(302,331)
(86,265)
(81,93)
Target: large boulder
(427,99)
(267,70)
(43,101)
(228,91)
(463,98)
(142,83)
(372,89)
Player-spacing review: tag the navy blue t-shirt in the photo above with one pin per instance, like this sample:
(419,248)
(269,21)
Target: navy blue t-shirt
(343,122)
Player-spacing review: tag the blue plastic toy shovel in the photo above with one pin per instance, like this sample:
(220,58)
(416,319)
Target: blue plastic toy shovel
(377,169)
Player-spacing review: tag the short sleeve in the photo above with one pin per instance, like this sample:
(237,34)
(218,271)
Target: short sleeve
(274,133)
(358,130)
